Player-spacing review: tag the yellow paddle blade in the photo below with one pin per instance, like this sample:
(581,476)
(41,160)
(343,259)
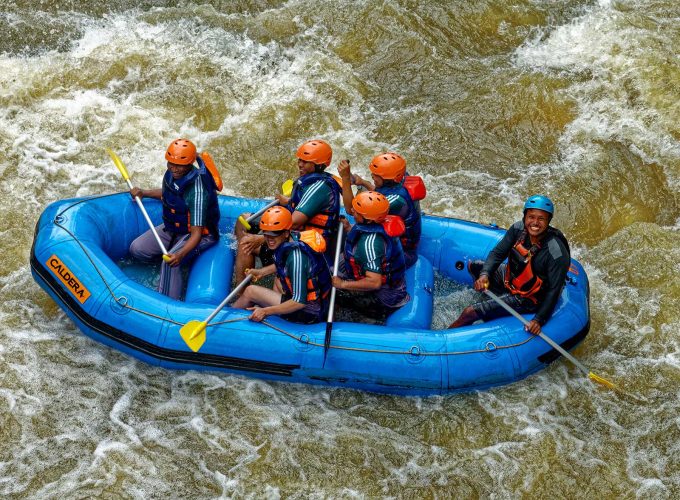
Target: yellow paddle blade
(119,164)
(602,381)
(244,222)
(287,187)
(193,334)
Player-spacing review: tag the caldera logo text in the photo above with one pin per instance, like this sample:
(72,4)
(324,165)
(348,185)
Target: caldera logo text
(68,279)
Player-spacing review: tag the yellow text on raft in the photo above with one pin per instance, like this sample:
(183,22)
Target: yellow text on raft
(67,278)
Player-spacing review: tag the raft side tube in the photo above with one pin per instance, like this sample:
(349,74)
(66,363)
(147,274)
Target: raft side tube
(417,312)
(450,243)
(210,274)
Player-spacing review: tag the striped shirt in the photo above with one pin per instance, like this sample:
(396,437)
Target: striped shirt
(297,268)
(369,254)
(398,205)
(197,202)
(316,198)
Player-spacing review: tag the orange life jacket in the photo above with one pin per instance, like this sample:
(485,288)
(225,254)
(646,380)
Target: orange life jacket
(526,284)
(212,168)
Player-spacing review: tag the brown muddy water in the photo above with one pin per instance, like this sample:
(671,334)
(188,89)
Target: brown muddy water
(489,101)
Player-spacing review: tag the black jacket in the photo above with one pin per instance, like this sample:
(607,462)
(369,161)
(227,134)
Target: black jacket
(551,264)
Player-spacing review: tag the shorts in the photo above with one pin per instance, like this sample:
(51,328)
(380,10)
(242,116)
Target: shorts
(367,304)
(302,316)
(266,255)
(488,308)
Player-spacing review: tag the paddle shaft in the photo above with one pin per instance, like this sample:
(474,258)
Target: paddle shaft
(262,210)
(123,171)
(338,246)
(286,189)
(148,219)
(331,306)
(229,298)
(550,341)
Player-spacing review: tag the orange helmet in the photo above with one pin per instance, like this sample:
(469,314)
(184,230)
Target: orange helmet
(276,219)
(181,152)
(316,151)
(389,166)
(371,205)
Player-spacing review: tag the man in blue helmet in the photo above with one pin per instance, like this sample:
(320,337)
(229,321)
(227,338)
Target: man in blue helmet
(532,279)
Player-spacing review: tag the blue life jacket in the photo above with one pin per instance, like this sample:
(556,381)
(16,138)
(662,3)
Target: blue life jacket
(326,220)
(319,283)
(393,265)
(175,211)
(411,237)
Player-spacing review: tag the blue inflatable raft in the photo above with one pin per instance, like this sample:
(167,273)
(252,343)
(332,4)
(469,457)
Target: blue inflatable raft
(76,256)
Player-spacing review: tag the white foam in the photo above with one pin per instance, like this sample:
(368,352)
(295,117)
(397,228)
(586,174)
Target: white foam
(607,57)
(155,416)
(107,446)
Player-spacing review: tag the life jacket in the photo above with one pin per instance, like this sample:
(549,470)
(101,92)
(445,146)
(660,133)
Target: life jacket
(411,237)
(327,220)
(176,216)
(212,168)
(523,281)
(319,283)
(415,186)
(393,265)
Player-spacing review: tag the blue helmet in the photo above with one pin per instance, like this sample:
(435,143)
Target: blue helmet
(541,203)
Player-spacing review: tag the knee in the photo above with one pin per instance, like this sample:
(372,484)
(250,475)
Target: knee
(138,252)
(239,229)
(469,312)
(248,245)
(467,317)
(247,292)
(244,299)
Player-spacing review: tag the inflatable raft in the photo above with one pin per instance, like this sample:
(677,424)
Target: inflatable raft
(76,258)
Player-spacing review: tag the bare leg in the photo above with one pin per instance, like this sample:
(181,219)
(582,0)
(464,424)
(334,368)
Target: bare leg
(257,295)
(467,317)
(248,248)
(239,230)
(277,286)
(244,260)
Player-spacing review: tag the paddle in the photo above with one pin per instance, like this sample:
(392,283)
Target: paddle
(331,307)
(286,189)
(123,171)
(193,332)
(554,344)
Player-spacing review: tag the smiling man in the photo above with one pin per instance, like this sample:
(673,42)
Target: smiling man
(303,281)
(532,280)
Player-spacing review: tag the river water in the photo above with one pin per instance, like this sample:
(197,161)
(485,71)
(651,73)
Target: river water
(489,101)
